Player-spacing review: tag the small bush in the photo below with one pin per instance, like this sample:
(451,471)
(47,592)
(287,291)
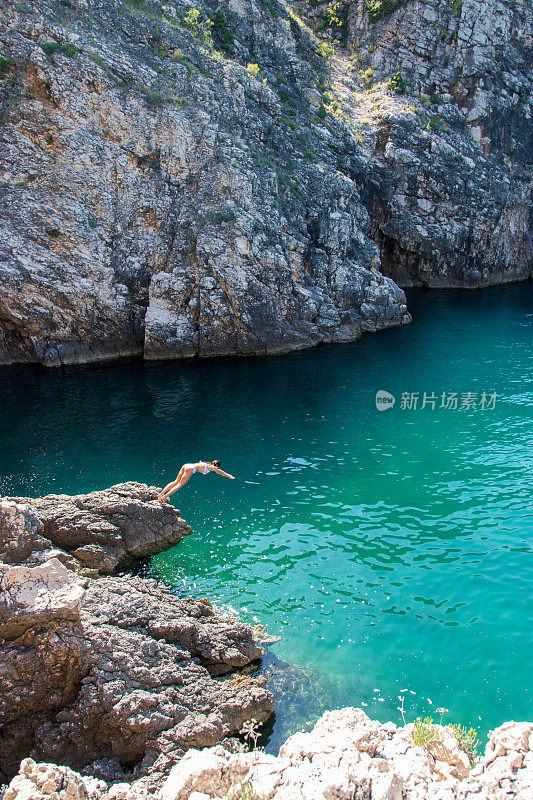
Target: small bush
(243,791)
(356,62)
(271,8)
(436,123)
(397,84)
(467,740)
(379,9)
(424,732)
(55,47)
(155,97)
(457,7)
(97,59)
(326,50)
(222,216)
(221,30)
(253,70)
(5,66)
(337,20)
(198,26)
(367,76)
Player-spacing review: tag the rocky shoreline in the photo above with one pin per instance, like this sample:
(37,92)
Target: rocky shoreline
(347,756)
(110,674)
(112,688)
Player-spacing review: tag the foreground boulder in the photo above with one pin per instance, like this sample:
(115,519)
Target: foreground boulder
(113,674)
(35,596)
(347,755)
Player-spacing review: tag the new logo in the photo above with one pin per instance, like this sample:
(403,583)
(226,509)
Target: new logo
(384,400)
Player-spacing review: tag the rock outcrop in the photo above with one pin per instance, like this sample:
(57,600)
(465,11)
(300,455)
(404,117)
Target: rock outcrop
(346,756)
(110,674)
(91,533)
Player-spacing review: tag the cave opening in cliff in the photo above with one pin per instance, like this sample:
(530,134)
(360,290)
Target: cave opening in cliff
(405,267)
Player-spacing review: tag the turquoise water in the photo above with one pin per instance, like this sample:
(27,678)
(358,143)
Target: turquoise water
(389,550)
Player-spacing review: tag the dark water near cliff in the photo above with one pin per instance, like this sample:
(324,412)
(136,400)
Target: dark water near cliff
(388,550)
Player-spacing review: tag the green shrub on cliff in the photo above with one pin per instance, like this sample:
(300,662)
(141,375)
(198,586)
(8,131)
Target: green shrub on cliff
(397,84)
(5,66)
(379,9)
(221,31)
(55,47)
(367,76)
(337,20)
(242,791)
(253,70)
(424,732)
(199,26)
(467,741)
(326,50)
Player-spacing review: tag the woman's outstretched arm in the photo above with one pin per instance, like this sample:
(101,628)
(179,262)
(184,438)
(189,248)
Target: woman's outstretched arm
(225,474)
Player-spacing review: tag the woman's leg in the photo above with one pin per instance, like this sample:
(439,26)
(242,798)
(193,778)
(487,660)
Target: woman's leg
(186,476)
(171,484)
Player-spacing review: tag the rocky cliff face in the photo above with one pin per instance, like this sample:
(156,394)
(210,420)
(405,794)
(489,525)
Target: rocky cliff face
(90,533)
(160,197)
(472,60)
(448,185)
(184,180)
(110,674)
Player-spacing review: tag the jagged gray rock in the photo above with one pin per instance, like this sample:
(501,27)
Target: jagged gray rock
(158,196)
(95,532)
(111,674)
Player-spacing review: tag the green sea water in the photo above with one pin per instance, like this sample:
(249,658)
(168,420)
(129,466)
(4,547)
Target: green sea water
(389,550)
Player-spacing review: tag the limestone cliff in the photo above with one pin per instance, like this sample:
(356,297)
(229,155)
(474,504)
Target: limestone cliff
(448,186)
(208,179)
(455,206)
(160,197)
